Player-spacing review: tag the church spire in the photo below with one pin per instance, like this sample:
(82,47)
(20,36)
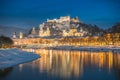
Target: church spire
(21,35)
(33,32)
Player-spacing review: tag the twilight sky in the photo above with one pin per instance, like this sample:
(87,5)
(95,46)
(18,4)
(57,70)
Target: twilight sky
(29,13)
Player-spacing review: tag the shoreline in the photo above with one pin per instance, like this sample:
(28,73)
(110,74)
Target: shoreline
(82,48)
(13,57)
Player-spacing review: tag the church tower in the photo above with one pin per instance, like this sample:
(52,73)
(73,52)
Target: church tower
(48,32)
(41,30)
(21,35)
(14,35)
(33,32)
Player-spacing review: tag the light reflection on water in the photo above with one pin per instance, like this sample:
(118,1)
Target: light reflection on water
(69,63)
(72,65)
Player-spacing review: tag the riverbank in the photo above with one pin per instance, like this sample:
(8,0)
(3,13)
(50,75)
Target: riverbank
(12,57)
(85,48)
(82,48)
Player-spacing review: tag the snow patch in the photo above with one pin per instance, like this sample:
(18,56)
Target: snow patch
(11,57)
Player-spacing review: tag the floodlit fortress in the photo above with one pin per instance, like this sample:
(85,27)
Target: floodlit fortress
(66,31)
(64,19)
(63,27)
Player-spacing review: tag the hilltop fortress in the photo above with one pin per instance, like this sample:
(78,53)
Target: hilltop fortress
(62,27)
(64,19)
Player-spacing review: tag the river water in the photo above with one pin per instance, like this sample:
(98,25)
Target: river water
(66,65)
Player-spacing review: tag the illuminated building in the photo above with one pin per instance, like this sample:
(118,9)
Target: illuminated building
(21,35)
(73,32)
(43,33)
(68,63)
(14,35)
(62,19)
(33,32)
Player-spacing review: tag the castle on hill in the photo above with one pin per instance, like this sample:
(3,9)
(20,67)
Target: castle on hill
(63,27)
(63,19)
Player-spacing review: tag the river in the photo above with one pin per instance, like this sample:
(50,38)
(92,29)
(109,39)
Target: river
(66,65)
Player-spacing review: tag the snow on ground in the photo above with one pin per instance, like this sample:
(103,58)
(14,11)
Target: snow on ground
(12,57)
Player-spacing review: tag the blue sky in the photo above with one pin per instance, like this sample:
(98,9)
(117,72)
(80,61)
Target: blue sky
(29,13)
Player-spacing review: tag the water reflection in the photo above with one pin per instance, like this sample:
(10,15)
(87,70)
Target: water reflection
(5,72)
(67,64)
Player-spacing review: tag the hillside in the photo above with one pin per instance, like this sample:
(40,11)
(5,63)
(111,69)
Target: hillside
(8,31)
(65,25)
(115,28)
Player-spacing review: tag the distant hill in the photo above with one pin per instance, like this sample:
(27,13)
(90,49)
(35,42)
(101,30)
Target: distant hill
(115,28)
(8,31)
